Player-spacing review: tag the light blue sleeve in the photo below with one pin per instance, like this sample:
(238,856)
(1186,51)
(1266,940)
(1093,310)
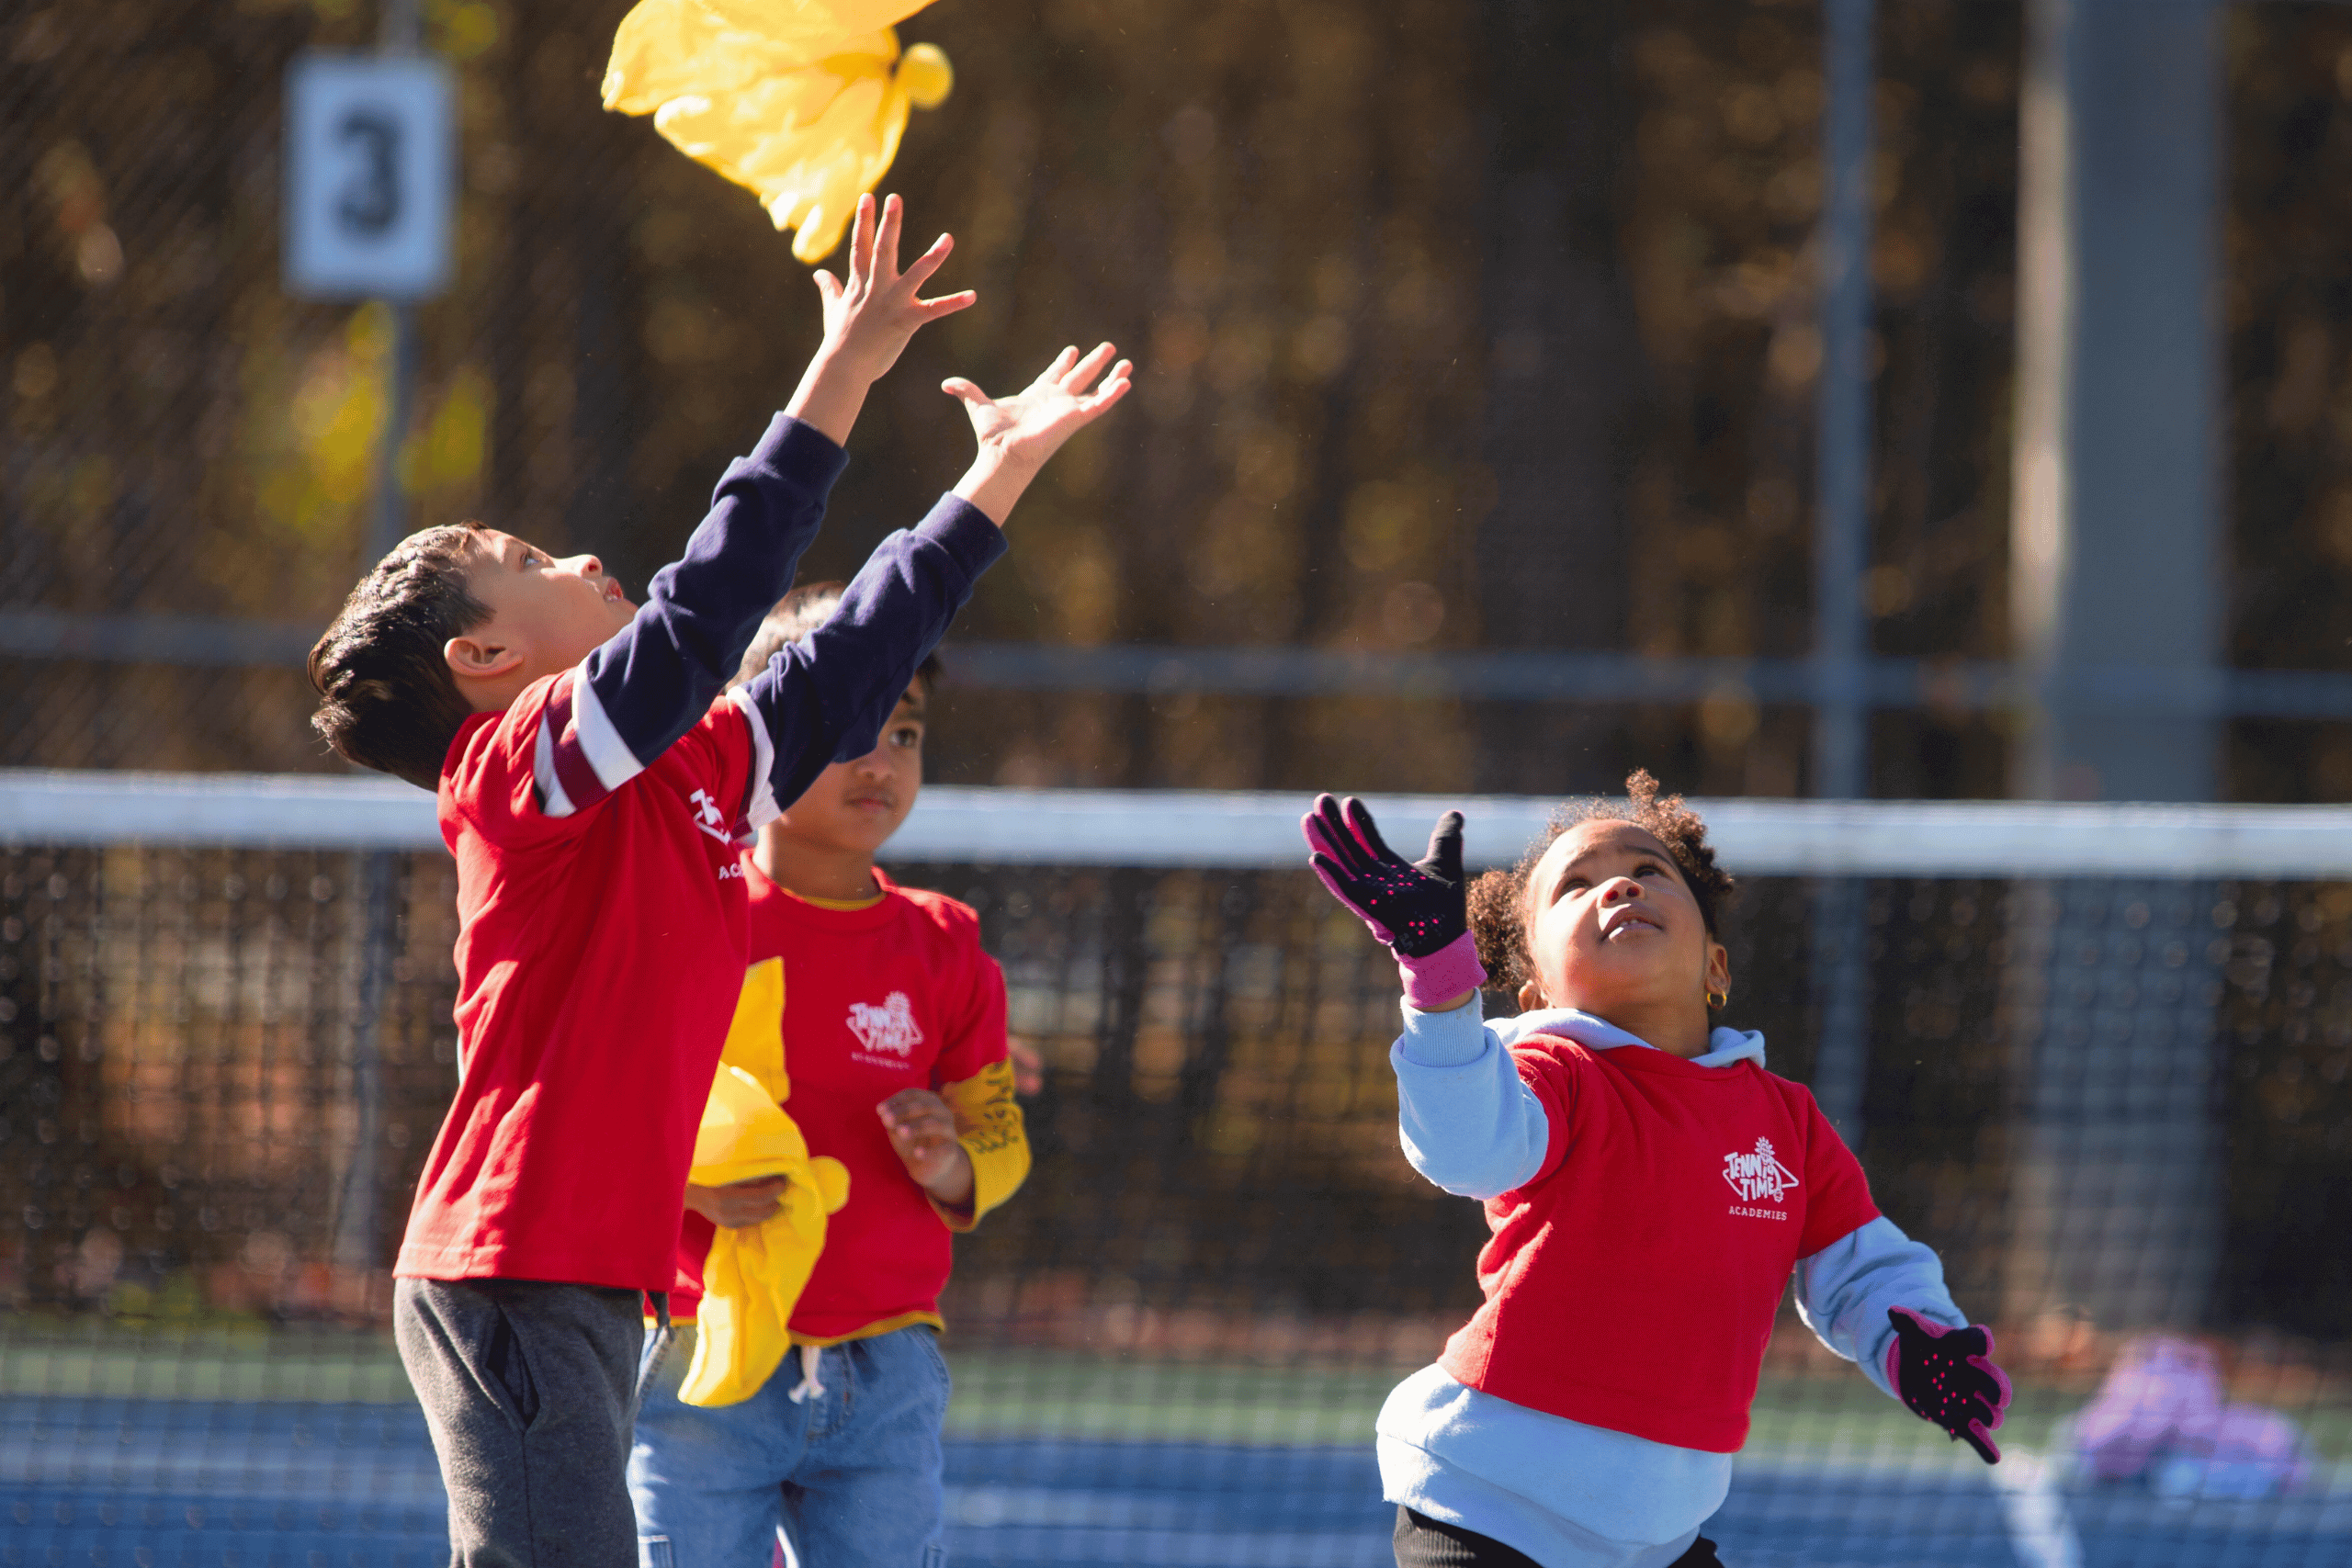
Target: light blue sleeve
(1843,1291)
(1467,1122)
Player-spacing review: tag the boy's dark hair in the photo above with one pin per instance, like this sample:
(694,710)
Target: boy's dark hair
(796,614)
(1499,899)
(386,700)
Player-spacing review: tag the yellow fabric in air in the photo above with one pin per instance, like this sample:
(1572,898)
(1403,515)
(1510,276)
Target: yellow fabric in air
(753,1274)
(803,101)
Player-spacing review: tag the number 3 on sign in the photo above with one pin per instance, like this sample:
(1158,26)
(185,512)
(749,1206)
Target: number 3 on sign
(371,203)
(370,177)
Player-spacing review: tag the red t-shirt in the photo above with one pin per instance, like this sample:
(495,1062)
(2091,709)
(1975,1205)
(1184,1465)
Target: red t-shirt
(1632,1284)
(599,957)
(895,995)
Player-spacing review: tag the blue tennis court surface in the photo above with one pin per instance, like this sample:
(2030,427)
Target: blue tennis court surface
(153,1483)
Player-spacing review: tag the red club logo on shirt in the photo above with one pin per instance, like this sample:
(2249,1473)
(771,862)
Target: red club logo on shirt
(890,1027)
(1758,1176)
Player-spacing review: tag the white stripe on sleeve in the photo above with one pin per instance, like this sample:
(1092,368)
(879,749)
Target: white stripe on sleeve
(553,801)
(760,809)
(601,744)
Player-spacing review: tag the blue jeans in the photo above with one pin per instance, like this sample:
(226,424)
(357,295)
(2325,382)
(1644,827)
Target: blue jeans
(851,1475)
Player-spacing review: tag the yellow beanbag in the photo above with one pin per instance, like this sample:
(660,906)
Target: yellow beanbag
(803,101)
(753,1274)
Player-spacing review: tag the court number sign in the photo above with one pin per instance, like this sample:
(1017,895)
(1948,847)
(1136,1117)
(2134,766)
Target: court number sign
(370,176)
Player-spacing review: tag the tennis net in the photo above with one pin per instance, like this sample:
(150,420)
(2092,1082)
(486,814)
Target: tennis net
(2096,1056)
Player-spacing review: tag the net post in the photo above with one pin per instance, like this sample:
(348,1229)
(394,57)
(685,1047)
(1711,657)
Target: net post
(2115,1146)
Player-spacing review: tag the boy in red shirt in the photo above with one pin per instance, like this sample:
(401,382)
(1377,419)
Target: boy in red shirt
(894,1037)
(592,794)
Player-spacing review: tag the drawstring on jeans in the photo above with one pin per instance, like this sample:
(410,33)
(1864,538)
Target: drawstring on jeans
(810,1384)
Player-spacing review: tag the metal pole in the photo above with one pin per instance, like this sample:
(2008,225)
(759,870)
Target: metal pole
(388,524)
(2041,553)
(2116,539)
(402,33)
(375,876)
(2119,516)
(1841,520)
(1841,974)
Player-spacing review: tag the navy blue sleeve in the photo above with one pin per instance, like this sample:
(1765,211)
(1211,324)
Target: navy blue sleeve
(825,698)
(657,677)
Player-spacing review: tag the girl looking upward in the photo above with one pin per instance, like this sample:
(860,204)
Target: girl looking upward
(1650,1186)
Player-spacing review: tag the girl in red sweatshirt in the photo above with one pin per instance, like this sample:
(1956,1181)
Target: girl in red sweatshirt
(1650,1186)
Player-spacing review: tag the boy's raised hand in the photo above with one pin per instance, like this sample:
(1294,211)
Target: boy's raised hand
(1018,433)
(869,318)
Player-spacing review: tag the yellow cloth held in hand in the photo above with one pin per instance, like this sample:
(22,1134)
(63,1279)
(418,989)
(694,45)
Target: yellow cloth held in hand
(754,1275)
(803,101)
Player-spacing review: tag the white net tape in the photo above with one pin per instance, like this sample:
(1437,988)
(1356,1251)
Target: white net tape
(954,824)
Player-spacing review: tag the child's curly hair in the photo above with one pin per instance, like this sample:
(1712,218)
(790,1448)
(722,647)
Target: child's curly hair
(1499,899)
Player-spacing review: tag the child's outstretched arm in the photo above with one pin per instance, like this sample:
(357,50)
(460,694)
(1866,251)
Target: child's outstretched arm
(1018,433)
(1878,1298)
(869,319)
(825,698)
(1421,911)
(656,678)
(1467,1121)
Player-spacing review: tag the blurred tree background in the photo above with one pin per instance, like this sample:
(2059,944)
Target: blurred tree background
(1485,326)
(1459,327)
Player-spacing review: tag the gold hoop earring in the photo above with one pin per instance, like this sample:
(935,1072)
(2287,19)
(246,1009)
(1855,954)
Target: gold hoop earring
(1718,1000)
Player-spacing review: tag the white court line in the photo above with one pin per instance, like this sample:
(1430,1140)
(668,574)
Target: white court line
(2039,1529)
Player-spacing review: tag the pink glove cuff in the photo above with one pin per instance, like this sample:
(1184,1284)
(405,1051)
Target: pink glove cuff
(1444,975)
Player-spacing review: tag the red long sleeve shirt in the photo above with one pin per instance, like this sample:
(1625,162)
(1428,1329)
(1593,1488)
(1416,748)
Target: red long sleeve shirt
(595,824)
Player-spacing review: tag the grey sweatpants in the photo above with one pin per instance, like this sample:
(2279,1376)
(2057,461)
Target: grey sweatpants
(529,1389)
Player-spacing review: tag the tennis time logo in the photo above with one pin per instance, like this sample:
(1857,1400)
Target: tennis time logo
(1758,1178)
(890,1027)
